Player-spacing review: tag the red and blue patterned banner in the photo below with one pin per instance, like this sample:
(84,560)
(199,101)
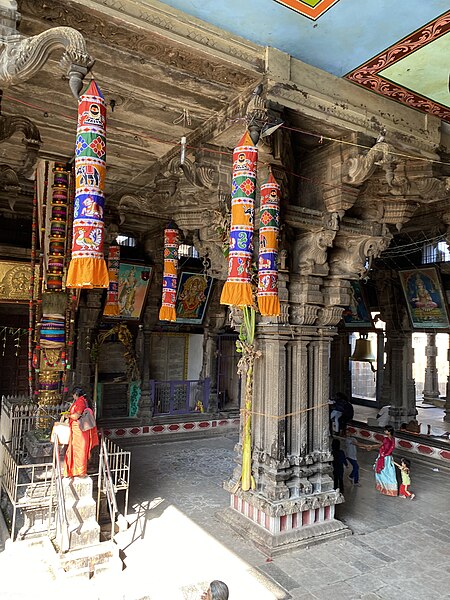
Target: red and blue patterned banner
(112,308)
(169,290)
(268,301)
(237,290)
(87,268)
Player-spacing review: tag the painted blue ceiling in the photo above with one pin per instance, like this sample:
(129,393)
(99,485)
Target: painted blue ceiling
(347,35)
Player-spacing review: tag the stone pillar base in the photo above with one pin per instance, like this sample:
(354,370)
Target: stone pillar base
(434,401)
(282,526)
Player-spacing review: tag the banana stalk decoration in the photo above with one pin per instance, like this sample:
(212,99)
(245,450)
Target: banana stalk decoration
(245,346)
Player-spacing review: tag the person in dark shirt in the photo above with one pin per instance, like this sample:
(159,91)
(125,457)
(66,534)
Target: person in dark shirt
(339,461)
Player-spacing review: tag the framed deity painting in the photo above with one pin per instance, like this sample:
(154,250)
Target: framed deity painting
(425,299)
(357,314)
(192,297)
(134,283)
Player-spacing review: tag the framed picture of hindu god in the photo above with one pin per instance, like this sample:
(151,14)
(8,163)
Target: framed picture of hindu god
(357,314)
(134,283)
(427,306)
(192,297)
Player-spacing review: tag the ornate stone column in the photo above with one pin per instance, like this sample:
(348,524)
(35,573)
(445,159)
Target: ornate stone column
(447,395)
(399,388)
(431,383)
(294,500)
(340,373)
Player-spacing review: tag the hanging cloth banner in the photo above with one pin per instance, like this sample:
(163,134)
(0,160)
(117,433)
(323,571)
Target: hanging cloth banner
(269,215)
(237,290)
(87,267)
(169,289)
(112,308)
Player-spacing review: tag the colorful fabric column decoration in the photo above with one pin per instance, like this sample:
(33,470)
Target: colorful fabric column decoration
(268,301)
(112,308)
(237,289)
(87,267)
(169,290)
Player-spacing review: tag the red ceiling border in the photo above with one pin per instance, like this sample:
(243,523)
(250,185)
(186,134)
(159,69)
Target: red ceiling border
(367,75)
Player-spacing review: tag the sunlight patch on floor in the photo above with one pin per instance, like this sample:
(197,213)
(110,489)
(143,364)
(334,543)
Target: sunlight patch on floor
(179,558)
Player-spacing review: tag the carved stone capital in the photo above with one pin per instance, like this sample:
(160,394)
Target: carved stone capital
(304,314)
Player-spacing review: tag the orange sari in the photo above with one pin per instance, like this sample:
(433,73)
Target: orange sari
(80,443)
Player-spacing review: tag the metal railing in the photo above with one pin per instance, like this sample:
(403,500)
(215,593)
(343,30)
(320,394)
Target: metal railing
(179,397)
(106,485)
(39,486)
(26,486)
(62,525)
(19,416)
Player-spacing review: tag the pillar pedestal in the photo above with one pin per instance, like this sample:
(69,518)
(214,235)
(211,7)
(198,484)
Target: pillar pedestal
(277,527)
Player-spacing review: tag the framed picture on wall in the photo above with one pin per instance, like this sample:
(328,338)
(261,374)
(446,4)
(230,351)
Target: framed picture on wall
(357,314)
(425,299)
(192,297)
(134,283)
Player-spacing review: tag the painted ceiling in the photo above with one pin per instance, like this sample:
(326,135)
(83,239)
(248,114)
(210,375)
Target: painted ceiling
(398,49)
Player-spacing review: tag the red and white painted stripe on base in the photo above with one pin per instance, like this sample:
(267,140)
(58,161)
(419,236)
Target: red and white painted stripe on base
(420,447)
(281,523)
(170,428)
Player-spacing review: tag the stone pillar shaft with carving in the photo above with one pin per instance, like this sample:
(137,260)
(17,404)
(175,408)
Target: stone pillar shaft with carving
(399,388)
(431,383)
(294,498)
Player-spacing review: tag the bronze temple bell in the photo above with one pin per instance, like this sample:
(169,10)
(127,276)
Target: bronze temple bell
(363,351)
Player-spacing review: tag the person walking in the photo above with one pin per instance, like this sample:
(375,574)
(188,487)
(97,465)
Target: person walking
(339,461)
(405,471)
(385,477)
(351,454)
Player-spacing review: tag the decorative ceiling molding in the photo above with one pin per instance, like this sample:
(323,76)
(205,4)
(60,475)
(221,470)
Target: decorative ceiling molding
(313,9)
(368,75)
(182,52)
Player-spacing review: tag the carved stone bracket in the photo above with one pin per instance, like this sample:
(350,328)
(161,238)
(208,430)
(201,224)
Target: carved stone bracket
(9,125)
(21,58)
(311,252)
(361,168)
(352,256)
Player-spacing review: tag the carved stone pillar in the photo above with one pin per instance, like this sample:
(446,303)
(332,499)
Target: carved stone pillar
(294,501)
(340,373)
(399,388)
(145,408)
(431,383)
(447,395)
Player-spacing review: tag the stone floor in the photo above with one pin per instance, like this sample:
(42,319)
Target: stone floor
(176,544)
(427,415)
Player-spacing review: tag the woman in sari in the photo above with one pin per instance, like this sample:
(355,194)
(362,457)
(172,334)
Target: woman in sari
(385,476)
(80,442)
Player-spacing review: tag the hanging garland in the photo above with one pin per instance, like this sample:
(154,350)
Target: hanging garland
(124,336)
(112,308)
